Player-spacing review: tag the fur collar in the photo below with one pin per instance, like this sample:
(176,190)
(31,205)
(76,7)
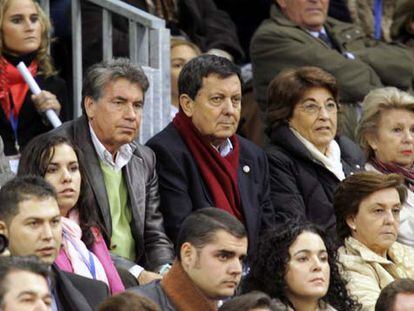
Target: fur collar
(182,292)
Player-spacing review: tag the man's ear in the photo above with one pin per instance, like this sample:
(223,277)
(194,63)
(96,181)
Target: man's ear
(281,3)
(89,104)
(186,104)
(3,228)
(187,253)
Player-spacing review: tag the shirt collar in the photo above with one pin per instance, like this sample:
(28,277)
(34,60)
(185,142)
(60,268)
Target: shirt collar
(122,156)
(316,33)
(225,148)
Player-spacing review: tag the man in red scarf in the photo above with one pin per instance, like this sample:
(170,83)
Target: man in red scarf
(201,162)
(211,247)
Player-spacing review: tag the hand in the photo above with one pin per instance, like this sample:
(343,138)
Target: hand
(46,100)
(147,276)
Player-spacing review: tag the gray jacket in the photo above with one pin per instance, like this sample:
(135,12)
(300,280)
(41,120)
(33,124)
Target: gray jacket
(153,248)
(280,44)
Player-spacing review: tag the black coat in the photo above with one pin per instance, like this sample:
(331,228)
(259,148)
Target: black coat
(300,185)
(183,190)
(30,123)
(77,293)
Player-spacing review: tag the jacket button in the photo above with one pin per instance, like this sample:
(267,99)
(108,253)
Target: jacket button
(246,168)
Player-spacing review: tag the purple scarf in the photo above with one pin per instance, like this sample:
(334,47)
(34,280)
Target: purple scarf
(389,168)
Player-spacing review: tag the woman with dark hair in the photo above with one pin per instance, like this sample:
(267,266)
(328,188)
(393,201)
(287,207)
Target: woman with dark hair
(83,250)
(297,265)
(307,157)
(367,207)
(25,37)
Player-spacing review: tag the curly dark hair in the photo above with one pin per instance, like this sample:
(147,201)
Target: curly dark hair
(35,159)
(269,263)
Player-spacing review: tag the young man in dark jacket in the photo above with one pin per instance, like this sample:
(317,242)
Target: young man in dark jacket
(211,246)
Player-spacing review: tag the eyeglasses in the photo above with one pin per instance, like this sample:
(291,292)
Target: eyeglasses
(312,108)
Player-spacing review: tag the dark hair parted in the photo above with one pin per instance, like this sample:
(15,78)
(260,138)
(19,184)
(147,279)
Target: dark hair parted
(127,301)
(15,264)
(269,265)
(287,89)
(35,159)
(101,74)
(190,80)
(21,189)
(201,226)
(388,295)
(249,301)
(353,189)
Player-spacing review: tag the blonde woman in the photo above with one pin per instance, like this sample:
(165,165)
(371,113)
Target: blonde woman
(25,36)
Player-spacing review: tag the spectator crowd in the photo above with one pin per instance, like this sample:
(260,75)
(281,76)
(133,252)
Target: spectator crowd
(284,181)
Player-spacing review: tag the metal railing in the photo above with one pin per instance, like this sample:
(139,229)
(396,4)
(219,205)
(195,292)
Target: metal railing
(149,46)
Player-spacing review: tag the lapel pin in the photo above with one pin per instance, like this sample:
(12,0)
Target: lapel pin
(246,168)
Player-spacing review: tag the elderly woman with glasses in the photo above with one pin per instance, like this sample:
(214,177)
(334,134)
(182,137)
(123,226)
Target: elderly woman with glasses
(386,134)
(307,158)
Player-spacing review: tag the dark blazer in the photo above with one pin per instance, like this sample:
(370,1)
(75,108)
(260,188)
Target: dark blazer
(154,292)
(300,185)
(153,248)
(183,190)
(30,123)
(77,293)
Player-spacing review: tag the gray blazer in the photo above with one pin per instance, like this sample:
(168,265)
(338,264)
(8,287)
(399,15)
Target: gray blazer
(153,248)
(5,172)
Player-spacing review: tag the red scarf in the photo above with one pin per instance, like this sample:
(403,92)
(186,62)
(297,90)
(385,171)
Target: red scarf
(388,168)
(219,173)
(12,84)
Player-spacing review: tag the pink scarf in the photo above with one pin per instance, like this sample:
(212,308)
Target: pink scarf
(99,249)
(83,261)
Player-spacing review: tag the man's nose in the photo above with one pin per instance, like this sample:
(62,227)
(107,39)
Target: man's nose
(42,306)
(228,106)
(129,111)
(236,266)
(47,232)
